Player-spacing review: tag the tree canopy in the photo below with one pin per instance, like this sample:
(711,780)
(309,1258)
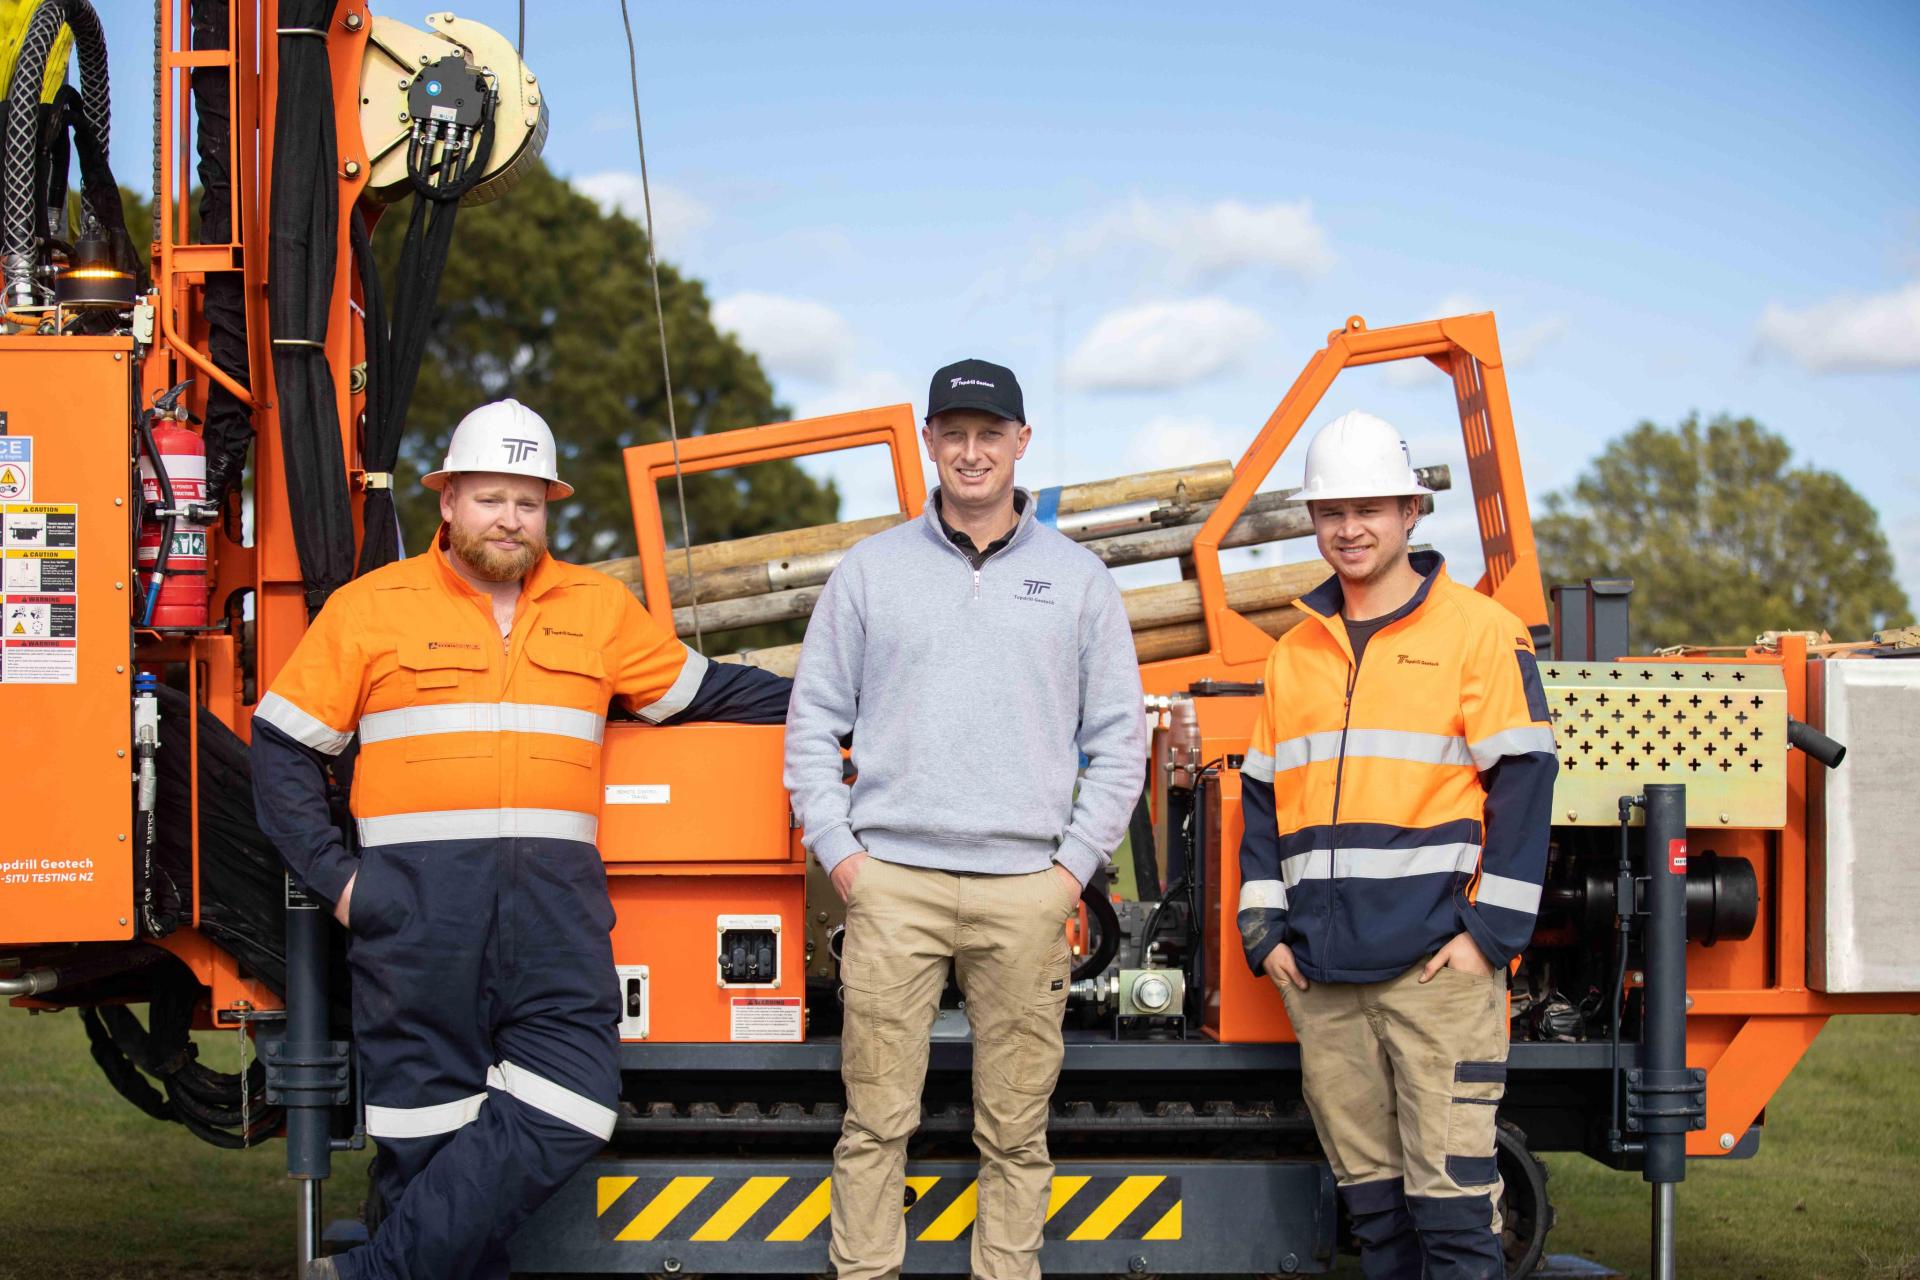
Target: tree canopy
(546,299)
(1723,537)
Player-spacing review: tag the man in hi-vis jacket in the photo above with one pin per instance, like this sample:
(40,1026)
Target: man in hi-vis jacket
(476,676)
(1396,798)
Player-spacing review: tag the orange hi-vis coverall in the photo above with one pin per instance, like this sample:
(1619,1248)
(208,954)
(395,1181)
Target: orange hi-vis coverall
(1392,803)
(485,1005)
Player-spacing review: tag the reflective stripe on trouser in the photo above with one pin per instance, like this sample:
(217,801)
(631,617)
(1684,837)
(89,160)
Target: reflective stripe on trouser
(1404,1082)
(1005,936)
(484,1012)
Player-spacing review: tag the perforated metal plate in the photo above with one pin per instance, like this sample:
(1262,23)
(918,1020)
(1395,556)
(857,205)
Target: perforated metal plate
(1720,728)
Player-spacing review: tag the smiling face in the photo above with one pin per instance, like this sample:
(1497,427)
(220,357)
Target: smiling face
(1364,539)
(496,523)
(974,453)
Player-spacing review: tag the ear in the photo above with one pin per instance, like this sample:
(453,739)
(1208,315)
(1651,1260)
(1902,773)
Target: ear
(926,438)
(1410,512)
(447,495)
(1021,439)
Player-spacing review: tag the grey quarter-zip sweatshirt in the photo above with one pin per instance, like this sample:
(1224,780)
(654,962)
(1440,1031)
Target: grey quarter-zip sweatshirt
(971,695)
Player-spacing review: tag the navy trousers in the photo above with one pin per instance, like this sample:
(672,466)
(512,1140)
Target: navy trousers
(486,1016)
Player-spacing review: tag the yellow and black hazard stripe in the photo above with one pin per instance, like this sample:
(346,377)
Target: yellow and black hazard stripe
(782,1209)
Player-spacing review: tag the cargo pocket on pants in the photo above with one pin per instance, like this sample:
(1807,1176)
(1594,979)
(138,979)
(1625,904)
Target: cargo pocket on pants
(1033,1067)
(1472,1118)
(873,1029)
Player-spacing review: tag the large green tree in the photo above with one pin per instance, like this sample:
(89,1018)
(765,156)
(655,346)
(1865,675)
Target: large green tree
(546,298)
(1723,537)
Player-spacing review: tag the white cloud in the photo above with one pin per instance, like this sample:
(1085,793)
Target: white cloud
(1203,243)
(1847,334)
(794,337)
(1172,440)
(869,389)
(1160,345)
(678,216)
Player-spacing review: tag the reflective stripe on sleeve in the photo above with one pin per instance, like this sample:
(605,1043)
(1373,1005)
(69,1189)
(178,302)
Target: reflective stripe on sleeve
(480,824)
(1379,744)
(1256,895)
(1490,750)
(1379,864)
(423,1122)
(304,729)
(555,1100)
(692,671)
(1257,765)
(483,717)
(1514,895)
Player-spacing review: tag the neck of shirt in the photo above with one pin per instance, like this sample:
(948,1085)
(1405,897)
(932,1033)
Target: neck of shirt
(976,555)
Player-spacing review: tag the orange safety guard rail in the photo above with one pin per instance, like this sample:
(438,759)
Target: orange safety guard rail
(648,464)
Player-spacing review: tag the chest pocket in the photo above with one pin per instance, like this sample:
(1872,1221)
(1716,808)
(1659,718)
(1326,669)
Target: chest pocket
(445,679)
(565,674)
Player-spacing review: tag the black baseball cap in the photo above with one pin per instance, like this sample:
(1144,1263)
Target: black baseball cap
(976,384)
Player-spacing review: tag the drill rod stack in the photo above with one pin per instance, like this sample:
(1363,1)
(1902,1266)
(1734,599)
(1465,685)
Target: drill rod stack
(1127,520)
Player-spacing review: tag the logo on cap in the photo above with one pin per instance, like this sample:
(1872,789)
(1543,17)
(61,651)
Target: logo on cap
(969,382)
(519,450)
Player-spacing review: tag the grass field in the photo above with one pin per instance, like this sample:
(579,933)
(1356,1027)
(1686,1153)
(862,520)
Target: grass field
(97,1190)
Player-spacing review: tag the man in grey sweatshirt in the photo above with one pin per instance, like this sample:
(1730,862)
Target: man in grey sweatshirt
(975,656)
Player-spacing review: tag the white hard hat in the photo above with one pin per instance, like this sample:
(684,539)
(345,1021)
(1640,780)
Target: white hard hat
(507,437)
(1359,456)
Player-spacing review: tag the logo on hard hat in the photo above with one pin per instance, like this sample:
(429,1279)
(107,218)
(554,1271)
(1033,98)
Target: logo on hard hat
(519,450)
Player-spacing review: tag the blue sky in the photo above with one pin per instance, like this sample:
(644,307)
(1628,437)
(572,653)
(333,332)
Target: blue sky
(1155,213)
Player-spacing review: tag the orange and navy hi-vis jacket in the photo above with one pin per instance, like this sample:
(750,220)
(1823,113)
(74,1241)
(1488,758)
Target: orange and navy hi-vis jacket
(464,733)
(1390,805)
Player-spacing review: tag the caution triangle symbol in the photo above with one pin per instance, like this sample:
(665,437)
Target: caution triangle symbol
(19,628)
(9,476)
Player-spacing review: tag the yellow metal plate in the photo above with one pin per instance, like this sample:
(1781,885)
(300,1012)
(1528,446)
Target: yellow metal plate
(1720,728)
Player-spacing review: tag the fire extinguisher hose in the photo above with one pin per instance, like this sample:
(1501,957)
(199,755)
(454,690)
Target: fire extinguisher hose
(165,486)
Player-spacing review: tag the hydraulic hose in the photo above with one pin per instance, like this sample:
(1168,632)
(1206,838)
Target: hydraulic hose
(23,117)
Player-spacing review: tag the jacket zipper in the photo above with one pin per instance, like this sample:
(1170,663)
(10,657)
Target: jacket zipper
(1339,776)
(976,582)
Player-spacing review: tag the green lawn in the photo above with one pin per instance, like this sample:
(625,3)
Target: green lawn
(97,1190)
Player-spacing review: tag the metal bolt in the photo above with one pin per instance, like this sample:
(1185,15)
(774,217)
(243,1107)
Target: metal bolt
(1137,1265)
(353,22)
(123,836)
(404,117)
(121,670)
(119,586)
(1726,1142)
(353,168)
(406,82)
(1639,977)
(122,753)
(1290,1263)
(821,917)
(530,79)
(118,355)
(1723,819)
(671,1266)
(1573,815)
(423,59)
(123,920)
(119,502)
(533,99)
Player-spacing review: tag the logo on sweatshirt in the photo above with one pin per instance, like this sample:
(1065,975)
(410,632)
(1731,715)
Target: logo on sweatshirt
(1035,591)
(450,644)
(559,631)
(1406,659)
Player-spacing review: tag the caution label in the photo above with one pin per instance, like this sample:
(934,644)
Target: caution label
(39,600)
(766,1018)
(40,525)
(40,570)
(16,468)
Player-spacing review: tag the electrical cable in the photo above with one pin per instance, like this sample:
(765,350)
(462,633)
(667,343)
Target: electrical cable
(660,317)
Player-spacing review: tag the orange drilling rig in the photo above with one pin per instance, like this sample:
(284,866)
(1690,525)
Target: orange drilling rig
(197,441)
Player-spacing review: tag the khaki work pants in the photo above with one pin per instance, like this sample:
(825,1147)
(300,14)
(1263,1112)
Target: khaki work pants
(1005,936)
(1404,1081)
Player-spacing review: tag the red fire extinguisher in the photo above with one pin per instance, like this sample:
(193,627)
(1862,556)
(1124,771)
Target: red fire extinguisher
(172,549)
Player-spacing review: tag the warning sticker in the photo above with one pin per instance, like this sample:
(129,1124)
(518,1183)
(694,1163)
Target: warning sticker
(39,570)
(766,1018)
(16,468)
(39,525)
(39,610)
